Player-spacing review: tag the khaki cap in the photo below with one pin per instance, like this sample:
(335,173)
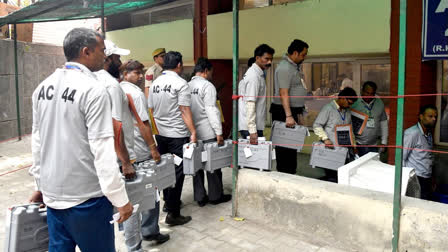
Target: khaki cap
(158,51)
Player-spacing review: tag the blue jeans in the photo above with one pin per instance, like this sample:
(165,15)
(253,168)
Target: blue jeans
(132,234)
(135,228)
(150,221)
(86,225)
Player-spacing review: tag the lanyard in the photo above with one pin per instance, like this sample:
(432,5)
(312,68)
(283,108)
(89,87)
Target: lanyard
(370,107)
(342,116)
(72,67)
(429,139)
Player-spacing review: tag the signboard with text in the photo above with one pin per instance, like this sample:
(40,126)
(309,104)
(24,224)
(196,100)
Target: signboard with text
(435,29)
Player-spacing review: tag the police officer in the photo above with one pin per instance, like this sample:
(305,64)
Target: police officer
(288,82)
(151,75)
(252,88)
(155,70)
(75,165)
(207,120)
(376,126)
(145,146)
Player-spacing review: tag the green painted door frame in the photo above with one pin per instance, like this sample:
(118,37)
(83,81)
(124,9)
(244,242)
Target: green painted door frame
(399,136)
(235,106)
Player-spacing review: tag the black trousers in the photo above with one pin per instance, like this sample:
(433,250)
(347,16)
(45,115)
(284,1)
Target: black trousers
(172,195)
(286,158)
(214,181)
(245,133)
(425,187)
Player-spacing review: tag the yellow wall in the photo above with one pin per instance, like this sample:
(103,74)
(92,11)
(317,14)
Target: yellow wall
(330,27)
(176,36)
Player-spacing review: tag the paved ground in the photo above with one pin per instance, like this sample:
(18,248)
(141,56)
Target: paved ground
(212,228)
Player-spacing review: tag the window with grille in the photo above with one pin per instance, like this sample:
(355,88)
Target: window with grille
(178,10)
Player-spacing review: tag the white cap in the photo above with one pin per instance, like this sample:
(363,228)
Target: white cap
(111,48)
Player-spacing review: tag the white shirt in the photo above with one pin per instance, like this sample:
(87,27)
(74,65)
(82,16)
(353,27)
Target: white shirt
(166,94)
(72,143)
(253,89)
(346,82)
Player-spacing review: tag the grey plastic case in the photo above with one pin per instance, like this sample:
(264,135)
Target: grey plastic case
(261,155)
(291,138)
(26,229)
(164,172)
(141,190)
(218,156)
(324,157)
(193,164)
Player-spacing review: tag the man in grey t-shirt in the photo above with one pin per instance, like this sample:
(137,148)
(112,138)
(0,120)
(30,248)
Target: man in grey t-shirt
(170,100)
(207,119)
(288,82)
(252,88)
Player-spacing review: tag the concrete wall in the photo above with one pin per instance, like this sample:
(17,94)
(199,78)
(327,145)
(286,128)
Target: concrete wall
(331,27)
(349,218)
(36,62)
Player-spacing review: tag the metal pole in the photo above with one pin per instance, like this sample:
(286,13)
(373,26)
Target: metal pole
(16,66)
(235,106)
(399,136)
(102,19)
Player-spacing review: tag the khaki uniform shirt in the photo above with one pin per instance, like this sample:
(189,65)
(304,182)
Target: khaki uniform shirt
(152,74)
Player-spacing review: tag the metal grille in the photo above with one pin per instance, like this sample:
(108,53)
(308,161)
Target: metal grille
(55,10)
(413,188)
(172,14)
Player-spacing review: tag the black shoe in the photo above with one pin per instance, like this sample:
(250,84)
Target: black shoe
(159,238)
(178,220)
(224,198)
(203,202)
(166,210)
